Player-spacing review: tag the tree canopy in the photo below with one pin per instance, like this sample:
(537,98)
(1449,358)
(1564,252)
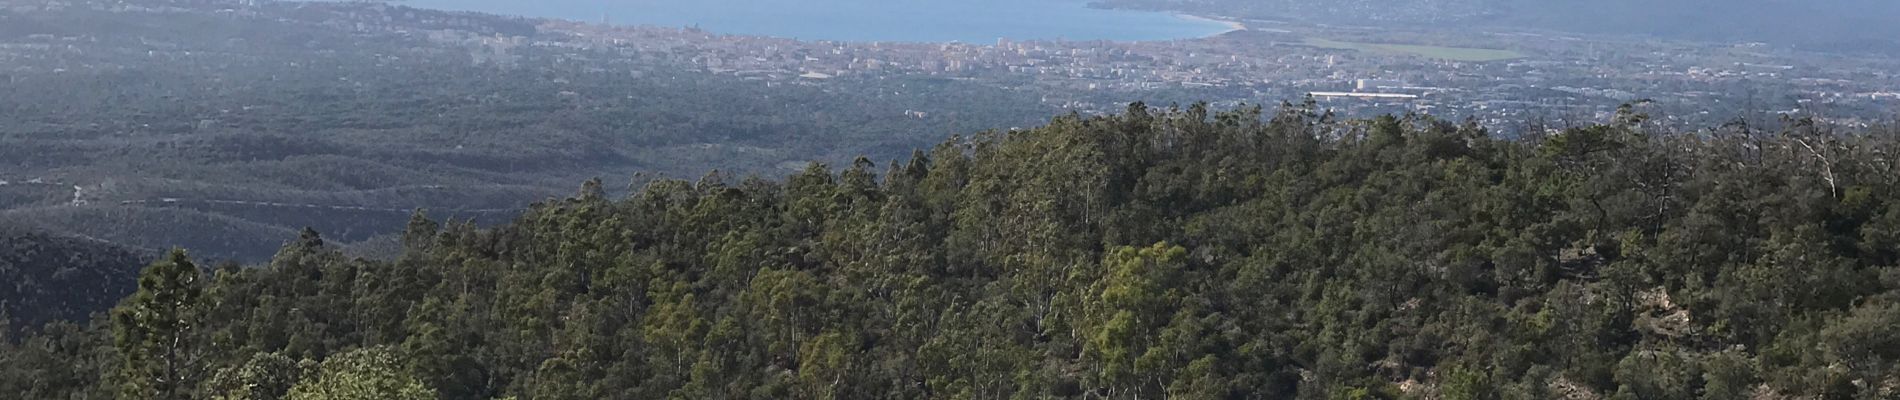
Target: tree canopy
(1159,253)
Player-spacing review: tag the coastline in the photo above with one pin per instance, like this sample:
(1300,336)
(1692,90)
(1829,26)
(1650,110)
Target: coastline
(1232,26)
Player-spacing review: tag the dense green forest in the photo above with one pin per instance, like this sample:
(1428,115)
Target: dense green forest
(1160,253)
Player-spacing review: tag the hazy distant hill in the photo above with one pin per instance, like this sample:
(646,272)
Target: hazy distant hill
(1831,24)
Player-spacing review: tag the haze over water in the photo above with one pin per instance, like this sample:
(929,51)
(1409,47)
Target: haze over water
(969,21)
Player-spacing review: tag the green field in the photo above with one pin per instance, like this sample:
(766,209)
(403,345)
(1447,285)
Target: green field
(1444,53)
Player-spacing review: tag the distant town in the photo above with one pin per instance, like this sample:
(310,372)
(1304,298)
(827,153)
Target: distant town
(1493,78)
(1554,77)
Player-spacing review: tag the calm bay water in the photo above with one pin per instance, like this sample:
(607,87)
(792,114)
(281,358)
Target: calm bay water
(969,21)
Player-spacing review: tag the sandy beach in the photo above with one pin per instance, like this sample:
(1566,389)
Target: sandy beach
(1231,25)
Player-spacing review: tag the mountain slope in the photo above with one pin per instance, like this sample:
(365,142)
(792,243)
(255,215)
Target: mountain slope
(52,278)
(1158,253)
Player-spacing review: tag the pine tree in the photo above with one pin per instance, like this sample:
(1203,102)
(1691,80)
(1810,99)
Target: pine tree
(154,330)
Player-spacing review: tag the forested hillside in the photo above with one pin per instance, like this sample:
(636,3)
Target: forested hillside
(52,278)
(1157,253)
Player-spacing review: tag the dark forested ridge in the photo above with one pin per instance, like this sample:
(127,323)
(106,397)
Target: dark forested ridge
(1154,254)
(52,278)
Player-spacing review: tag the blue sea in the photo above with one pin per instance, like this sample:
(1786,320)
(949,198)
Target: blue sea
(968,21)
